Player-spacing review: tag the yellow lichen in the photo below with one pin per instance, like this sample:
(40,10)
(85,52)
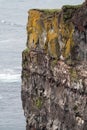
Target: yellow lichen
(49,25)
(69,45)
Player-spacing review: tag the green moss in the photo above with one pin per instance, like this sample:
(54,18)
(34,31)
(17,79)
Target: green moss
(26,50)
(75,108)
(72,6)
(69,61)
(68,14)
(39,103)
(50,11)
(68,11)
(25,64)
(47,11)
(24,54)
(73,74)
(25,74)
(24,58)
(54,62)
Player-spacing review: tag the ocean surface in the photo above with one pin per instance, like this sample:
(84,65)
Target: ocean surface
(13,19)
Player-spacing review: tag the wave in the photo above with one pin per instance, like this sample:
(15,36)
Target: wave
(11,23)
(7,40)
(1,97)
(8,75)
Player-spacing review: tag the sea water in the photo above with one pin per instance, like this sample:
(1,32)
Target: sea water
(13,18)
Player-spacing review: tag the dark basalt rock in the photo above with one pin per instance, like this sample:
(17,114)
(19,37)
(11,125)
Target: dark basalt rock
(54,69)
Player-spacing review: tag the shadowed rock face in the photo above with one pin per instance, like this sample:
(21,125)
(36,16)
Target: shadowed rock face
(54,69)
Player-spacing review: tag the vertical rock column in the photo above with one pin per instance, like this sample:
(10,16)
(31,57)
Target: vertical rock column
(54,78)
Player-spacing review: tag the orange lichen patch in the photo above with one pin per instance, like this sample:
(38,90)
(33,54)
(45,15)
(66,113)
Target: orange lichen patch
(34,27)
(69,45)
(68,48)
(44,28)
(36,14)
(55,24)
(66,31)
(53,45)
(53,48)
(51,35)
(48,24)
(34,17)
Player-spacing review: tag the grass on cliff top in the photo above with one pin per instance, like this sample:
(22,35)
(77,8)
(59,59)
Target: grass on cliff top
(69,10)
(48,11)
(71,6)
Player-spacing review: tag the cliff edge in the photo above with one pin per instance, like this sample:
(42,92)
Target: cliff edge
(54,69)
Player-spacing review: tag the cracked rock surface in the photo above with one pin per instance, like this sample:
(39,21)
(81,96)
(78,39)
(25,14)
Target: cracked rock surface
(54,69)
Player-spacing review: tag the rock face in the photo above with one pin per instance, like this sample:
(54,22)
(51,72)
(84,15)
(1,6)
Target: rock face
(54,69)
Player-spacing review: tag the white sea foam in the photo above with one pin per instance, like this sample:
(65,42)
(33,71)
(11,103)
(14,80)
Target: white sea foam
(7,40)
(2,21)
(9,76)
(1,97)
(11,23)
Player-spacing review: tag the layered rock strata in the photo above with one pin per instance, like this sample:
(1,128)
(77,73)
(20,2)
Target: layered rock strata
(54,69)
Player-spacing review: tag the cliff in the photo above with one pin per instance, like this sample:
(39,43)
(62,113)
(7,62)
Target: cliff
(54,69)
